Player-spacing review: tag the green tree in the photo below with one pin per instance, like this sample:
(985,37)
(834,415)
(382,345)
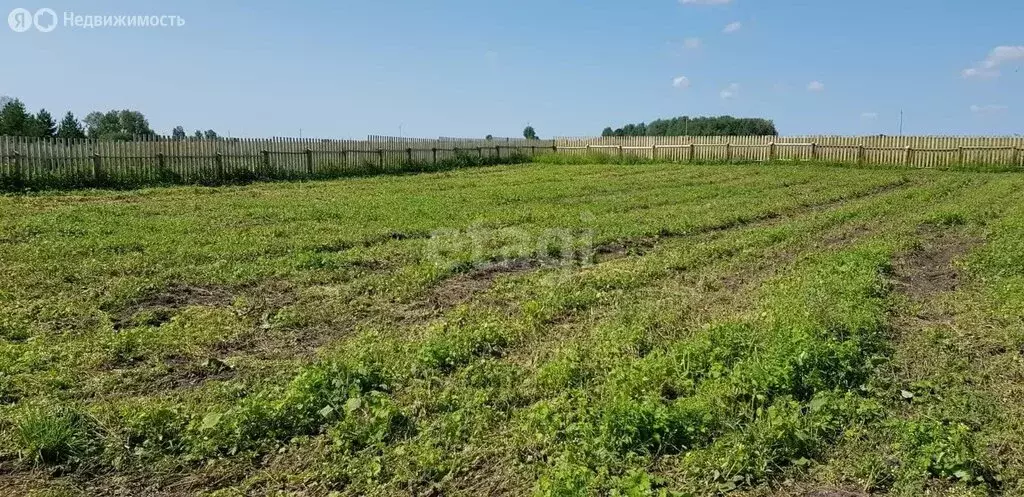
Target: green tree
(103,125)
(14,120)
(197,134)
(529,133)
(698,126)
(70,128)
(122,125)
(178,133)
(45,127)
(135,124)
(210,134)
(489,137)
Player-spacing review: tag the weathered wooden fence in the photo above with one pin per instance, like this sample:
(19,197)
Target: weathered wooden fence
(917,151)
(26,162)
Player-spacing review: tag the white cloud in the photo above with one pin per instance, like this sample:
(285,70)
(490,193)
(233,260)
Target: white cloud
(987,109)
(732,27)
(692,43)
(705,2)
(989,68)
(975,72)
(815,86)
(681,82)
(1003,54)
(729,92)
(869,116)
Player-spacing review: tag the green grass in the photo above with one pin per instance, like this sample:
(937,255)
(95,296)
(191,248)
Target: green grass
(53,435)
(551,329)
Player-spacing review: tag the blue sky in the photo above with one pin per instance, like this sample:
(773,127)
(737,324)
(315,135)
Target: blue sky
(571,67)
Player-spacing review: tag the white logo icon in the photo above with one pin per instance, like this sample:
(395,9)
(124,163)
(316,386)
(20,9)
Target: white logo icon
(21,20)
(40,20)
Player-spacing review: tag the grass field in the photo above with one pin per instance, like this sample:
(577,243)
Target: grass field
(540,330)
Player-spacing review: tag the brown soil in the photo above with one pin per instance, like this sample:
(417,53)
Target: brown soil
(929,269)
(460,289)
(159,307)
(834,493)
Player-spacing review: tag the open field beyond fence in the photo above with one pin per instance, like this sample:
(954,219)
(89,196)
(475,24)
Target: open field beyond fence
(42,164)
(538,329)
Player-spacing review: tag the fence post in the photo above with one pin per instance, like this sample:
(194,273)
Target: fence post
(433,152)
(344,158)
(266,161)
(728,152)
(960,156)
(497,149)
(1016,157)
(309,163)
(771,152)
(220,166)
(533,151)
(17,166)
(408,155)
(908,156)
(654,152)
(380,157)
(861,154)
(814,151)
(161,164)
(692,153)
(97,167)
(620,153)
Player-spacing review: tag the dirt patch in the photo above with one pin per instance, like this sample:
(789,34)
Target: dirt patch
(263,301)
(256,304)
(834,493)
(929,269)
(846,237)
(460,289)
(624,248)
(159,307)
(345,245)
(183,373)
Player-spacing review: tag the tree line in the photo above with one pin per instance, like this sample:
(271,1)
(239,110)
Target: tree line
(698,126)
(119,125)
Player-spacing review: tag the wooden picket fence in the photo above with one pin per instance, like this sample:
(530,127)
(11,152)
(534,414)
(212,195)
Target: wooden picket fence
(916,151)
(27,162)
